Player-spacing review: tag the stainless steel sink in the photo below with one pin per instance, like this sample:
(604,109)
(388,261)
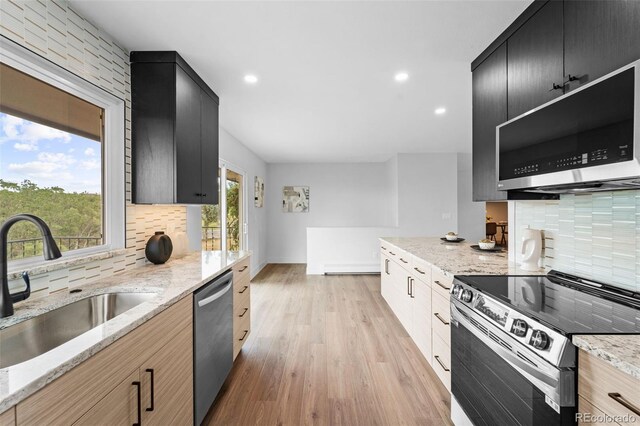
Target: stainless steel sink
(40,334)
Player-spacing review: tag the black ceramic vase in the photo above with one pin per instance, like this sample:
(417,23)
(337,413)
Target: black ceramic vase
(159,248)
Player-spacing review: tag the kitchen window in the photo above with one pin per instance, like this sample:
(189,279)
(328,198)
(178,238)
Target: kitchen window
(61,158)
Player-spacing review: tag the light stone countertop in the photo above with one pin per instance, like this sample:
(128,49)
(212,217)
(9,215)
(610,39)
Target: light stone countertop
(621,351)
(172,281)
(458,258)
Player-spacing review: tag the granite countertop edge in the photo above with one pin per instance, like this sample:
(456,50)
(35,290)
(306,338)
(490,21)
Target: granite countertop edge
(620,351)
(31,376)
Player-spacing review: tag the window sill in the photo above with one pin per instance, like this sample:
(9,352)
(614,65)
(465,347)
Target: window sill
(39,266)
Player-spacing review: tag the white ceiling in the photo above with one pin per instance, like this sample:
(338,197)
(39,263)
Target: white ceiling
(326,91)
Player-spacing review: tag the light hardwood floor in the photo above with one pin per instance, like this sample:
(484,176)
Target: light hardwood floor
(327,350)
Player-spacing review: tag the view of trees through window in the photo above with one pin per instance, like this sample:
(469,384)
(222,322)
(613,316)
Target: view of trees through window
(55,175)
(211,227)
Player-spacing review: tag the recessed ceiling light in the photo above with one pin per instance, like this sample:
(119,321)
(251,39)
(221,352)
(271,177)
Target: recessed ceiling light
(251,79)
(440,111)
(401,76)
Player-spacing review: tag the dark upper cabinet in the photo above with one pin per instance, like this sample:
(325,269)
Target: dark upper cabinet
(489,110)
(535,60)
(174,128)
(600,36)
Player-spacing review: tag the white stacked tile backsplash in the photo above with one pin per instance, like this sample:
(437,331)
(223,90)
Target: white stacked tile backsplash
(595,235)
(52,29)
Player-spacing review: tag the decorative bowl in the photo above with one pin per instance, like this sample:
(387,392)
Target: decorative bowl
(487,246)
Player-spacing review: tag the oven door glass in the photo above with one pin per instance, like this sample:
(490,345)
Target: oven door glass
(491,392)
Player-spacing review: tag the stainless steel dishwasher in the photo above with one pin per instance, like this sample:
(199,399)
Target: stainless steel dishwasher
(212,340)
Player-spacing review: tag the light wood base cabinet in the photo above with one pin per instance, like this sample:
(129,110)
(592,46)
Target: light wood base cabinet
(241,304)
(603,389)
(8,418)
(104,389)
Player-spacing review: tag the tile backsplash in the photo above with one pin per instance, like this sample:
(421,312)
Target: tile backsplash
(595,235)
(52,29)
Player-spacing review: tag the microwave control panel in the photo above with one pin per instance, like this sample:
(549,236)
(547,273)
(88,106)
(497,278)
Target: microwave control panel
(561,162)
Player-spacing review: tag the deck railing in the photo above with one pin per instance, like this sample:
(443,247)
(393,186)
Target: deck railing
(18,249)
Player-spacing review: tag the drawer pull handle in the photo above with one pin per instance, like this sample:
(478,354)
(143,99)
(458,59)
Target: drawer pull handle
(244,289)
(419,271)
(243,268)
(620,400)
(383,248)
(243,336)
(243,312)
(150,371)
(441,285)
(444,367)
(139,397)
(392,253)
(442,320)
(403,261)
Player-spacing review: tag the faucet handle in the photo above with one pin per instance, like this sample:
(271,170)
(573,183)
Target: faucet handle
(23,295)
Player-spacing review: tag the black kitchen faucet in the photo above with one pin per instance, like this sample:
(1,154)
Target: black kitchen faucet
(50,251)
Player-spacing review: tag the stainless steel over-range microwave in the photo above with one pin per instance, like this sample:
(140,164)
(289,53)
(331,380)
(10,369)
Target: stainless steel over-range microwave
(585,140)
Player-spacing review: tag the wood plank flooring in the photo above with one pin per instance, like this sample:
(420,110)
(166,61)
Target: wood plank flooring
(327,350)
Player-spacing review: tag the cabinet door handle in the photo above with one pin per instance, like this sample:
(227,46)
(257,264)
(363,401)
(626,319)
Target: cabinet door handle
(570,78)
(198,194)
(243,336)
(243,289)
(442,320)
(392,253)
(419,271)
(243,312)
(204,194)
(243,268)
(151,407)
(383,248)
(137,385)
(622,401)
(556,87)
(441,285)
(444,367)
(403,261)
(411,280)
(386,266)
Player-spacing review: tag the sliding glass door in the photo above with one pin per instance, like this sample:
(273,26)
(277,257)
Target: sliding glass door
(224,225)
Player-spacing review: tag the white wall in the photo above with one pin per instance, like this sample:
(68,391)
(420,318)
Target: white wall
(341,195)
(471,214)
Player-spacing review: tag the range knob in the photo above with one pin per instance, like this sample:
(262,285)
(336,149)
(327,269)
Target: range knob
(519,328)
(539,340)
(466,296)
(456,290)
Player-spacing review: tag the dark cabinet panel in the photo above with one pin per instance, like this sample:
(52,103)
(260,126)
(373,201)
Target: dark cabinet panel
(535,60)
(187,139)
(600,37)
(210,148)
(174,132)
(152,89)
(489,110)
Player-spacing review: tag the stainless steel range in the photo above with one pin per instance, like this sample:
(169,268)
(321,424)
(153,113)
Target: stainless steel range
(513,362)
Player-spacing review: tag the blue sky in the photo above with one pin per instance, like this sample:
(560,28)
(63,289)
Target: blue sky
(48,156)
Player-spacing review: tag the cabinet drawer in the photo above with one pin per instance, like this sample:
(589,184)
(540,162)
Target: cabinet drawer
(597,380)
(421,270)
(440,282)
(241,330)
(442,360)
(586,413)
(241,305)
(241,270)
(441,318)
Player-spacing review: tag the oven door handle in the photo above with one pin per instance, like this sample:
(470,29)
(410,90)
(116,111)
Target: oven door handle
(545,376)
